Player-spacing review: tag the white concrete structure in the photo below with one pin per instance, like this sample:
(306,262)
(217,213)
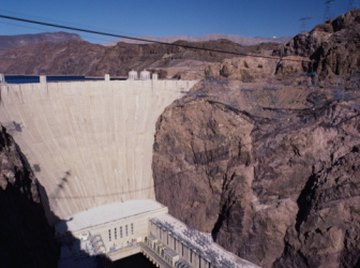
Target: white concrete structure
(119,230)
(2,78)
(89,143)
(155,76)
(42,79)
(133,75)
(144,75)
(181,246)
(107,77)
(113,229)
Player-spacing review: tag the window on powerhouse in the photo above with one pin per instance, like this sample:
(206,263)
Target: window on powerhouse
(121,234)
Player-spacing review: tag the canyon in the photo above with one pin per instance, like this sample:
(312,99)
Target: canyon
(262,153)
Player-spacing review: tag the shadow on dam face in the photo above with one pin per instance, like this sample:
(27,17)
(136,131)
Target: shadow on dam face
(26,238)
(70,253)
(89,143)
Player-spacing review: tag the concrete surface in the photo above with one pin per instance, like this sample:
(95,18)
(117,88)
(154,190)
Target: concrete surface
(89,143)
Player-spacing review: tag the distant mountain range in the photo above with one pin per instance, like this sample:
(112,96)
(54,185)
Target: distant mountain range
(66,53)
(62,53)
(12,41)
(242,40)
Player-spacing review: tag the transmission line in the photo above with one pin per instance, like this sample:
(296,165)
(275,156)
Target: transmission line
(327,13)
(303,23)
(61,26)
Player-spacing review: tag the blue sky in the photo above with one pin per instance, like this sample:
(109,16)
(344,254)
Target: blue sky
(264,18)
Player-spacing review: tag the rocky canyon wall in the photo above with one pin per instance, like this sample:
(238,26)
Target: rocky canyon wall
(271,172)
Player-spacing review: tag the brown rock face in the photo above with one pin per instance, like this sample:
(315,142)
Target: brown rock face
(26,238)
(271,172)
(333,46)
(220,158)
(245,69)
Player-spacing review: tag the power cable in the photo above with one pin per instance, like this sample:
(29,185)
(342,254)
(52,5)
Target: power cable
(133,191)
(60,26)
(102,39)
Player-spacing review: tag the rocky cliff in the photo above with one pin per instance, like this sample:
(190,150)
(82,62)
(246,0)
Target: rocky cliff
(272,173)
(26,238)
(270,165)
(328,56)
(332,46)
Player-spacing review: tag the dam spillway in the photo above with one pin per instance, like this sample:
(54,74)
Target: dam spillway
(89,143)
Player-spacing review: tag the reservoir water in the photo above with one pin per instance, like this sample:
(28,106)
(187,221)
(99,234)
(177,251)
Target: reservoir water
(21,79)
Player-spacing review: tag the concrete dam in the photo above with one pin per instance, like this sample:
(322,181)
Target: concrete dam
(89,143)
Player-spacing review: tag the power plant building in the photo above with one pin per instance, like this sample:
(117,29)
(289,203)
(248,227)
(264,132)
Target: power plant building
(113,229)
(123,229)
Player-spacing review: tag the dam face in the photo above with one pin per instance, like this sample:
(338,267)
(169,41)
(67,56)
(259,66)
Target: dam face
(89,143)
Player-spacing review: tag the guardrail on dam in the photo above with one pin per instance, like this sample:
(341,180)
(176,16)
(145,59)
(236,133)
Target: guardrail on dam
(89,143)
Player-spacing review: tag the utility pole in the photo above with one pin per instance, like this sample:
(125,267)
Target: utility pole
(327,14)
(304,23)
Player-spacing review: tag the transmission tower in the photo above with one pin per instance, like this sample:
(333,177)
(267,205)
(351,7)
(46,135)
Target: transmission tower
(327,14)
(304,23)
(352,4)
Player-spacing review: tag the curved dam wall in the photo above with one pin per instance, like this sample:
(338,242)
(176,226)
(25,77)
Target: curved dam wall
(89,143)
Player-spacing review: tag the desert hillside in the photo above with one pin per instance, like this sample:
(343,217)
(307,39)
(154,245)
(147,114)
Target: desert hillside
(74,56)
